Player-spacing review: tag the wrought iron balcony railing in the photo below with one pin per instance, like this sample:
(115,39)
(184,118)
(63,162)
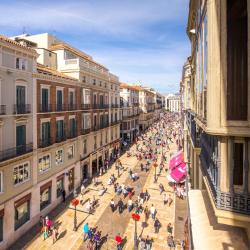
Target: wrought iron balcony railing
(72,106)
(2,109)
(45,108)
(22,109)
(16,151)
(43,143)
(86,106)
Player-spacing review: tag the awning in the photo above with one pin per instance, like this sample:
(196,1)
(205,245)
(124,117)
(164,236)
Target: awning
(179,173)
(176,159)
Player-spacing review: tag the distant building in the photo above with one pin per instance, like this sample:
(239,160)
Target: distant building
(172,102)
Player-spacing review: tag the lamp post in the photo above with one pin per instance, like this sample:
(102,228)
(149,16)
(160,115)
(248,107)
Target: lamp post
(136,217)
(155,166)
(74,203)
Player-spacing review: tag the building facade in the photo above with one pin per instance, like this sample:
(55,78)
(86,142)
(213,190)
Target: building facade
(215,89)
(59,121)
(147,108)
(172,102)
(129,103)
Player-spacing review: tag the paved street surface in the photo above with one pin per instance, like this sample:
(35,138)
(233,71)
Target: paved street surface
(112,223)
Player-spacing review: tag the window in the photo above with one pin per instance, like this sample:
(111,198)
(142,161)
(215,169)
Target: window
(22,214)
(44,163)
(1,182)
(59,130)
(85,146)
(238,155)
(84,79)
(59,157)
(21,63)
(21,173)
(237,61)
(45,197)
(59,187)
(59,100)
(94,81)
(70,152)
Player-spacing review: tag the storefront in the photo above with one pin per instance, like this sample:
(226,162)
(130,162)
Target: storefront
(22,211)
(45,195)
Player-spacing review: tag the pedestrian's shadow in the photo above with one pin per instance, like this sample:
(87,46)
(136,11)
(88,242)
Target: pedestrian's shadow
(124,241)
(62,234)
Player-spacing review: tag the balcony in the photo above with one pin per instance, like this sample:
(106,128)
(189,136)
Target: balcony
(114,106)
(43,143)
(60,107)
(22,109)
(85,131)
(210,166)
(44,108)
(85,106)
(100,106)
(17,151)
(61,138)
(2,109)
(104,125)
(71,107)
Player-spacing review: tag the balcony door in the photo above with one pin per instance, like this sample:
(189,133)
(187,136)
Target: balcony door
(59,100)
(45,99)
(20,138)
(46,133)
(60,130)
(20,99)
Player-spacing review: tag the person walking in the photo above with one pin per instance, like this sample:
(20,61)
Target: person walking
(148,243)
(165,199)
(85,231)
(153,211)
(120,206)
(130,205)
(170,242)
(169,228)
(146,213)
(112,205)
(54,234)
(157,225)
(161,187)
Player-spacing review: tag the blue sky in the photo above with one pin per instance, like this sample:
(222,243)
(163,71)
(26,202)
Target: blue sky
(141,41)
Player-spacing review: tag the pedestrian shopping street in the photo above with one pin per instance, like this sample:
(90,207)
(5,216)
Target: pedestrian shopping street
(110,223)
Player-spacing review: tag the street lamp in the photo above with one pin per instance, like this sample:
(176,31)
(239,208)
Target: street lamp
(74,203)
(155,166)
(136,217)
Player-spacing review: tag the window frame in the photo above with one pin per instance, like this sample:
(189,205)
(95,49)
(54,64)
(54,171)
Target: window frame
(50,166)
(29,173)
